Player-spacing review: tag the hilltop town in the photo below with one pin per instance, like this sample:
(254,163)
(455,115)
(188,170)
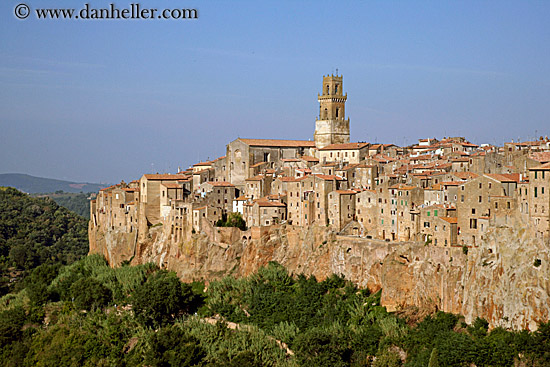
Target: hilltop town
(440,192)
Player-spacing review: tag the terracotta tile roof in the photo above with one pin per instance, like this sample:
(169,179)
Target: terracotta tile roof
(402,187)
(164,177)
(201,208)
(451,183)
(434,187)
(255,178)
(544,167)
(258,164)
(207,163)
(309,158)
(221,184)
(290,160)
(345,192)
(449,219)
(328,177)
(278,143)
(505,177)
(465,175)
(345,146)
(288,179)
(171,185)
(263,203)
(109,188)
(351,166)
(131,189)
(382,158)
(542,157)
(241,198)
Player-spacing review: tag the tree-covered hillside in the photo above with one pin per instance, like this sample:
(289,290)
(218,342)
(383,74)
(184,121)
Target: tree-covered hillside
(35,231)
(77,203)
(88,314)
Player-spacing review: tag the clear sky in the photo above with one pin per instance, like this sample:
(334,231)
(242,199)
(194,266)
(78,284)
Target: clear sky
(105,100)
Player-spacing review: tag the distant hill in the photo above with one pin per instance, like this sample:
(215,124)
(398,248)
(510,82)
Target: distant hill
(31,184)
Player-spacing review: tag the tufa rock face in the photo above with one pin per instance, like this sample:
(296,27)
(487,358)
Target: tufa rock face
(497,281)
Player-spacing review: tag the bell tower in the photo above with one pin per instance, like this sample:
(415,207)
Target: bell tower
(331,127)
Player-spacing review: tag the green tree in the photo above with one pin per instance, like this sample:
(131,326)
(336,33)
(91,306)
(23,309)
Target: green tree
(162,298)
(89,294)
(171,346)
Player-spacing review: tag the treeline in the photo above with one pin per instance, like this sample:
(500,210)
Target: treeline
(88,314)
(35,231)
(77,203)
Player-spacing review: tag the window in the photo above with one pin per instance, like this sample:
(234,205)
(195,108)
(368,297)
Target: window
(428,214)
(435,213)
(535,175)
(508,205)
(426,224)
(535,190)
(473,223)
(479,199)
(473,210)
(462,197)
(496,205)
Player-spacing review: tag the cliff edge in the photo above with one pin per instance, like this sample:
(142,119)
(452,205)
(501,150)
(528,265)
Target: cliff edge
(505,280)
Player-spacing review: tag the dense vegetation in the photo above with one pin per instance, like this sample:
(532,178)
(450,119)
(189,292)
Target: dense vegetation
(36,231)
(77,203)
(88,314)
(232,220)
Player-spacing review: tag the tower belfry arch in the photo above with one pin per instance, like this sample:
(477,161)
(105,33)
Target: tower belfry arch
(332,127)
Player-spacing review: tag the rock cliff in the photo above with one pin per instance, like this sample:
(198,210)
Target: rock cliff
(505,280)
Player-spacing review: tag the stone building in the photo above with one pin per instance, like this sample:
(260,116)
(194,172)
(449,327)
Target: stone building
(332,127)
(348,153)
(242,154)
(341,208)
(539,201)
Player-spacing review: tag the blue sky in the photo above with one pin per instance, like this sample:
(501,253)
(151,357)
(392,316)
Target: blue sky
(101,101)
